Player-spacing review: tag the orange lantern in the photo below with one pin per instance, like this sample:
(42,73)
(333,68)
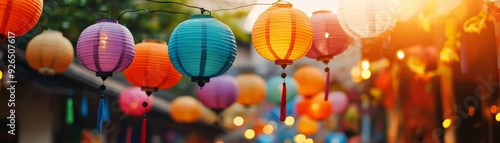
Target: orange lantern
(185,109)
(303,105)
(252,89)
(151,68)
(282,34)
(310,81)
(19,16)
(318,109)
(49,53)
(307,126)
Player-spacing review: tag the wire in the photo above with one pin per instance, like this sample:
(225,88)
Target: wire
(243,6)
(118,19)
(173,2)
(82,7)
(152,11)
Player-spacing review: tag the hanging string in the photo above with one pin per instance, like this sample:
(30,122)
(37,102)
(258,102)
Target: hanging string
(82,7)
(327,88)
(283,96)
(128,137)
(70,118)
(152,11)
(106,117)
(210,11)
(84,106)
(100,118)
(144,119)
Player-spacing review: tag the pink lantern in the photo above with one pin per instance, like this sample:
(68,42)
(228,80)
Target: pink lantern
(134,102)
(104,48)
(221,93)
(339,101)
(328,40)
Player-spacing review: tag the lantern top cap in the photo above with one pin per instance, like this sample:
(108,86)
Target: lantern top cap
(154,41)
(322,11)
(107,20)
(283,5)
(201,16)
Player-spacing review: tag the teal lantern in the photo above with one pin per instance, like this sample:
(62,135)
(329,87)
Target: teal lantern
(202,47)
(274,89)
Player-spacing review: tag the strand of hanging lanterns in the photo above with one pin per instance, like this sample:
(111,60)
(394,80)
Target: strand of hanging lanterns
(282,34)
(49,53)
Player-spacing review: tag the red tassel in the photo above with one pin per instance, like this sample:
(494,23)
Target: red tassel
(129,135)
(283,103)
(143,131)
(327,88)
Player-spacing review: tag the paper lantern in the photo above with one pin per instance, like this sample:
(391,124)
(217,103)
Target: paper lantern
(221,93)
(132,100)
(319,109)
(307,126)
(339,101)
(406,9)
(274,91)
(252,89)
(104,48)
(49,53)
(151,69)
(303,105)
(202,48)
(19,16)
(362,19)
(336,137)
(185,109)
(282,34)
(310,81)
(329,40)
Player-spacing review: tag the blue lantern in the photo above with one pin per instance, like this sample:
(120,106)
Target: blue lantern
(201,48)
(336,137)
(274,89)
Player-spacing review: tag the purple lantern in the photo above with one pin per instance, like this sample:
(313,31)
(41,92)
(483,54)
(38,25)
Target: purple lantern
(106,47)
(339,101)
(221,93)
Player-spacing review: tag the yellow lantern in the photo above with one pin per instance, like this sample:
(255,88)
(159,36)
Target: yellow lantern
(49,53)
(185,109)
(252,89)
(282,34)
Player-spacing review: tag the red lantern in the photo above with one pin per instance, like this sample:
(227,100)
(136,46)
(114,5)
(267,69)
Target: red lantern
(319,109)
(132,100)
(19,16)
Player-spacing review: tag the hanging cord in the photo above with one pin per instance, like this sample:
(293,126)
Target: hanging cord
(83,7)
(100,118)
(283,96)
(151,11)
(202,10)
(210,11)
(327,87)
(144,119)
(243,6)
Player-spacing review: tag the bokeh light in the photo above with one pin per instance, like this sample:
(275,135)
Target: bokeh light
(268,129)
(238,121)
(249,134)
(309,140)
(365,64)
(493,109)
(299,138)
(366,74)
(497,117)
(446,123)
(400,54)
(289,121)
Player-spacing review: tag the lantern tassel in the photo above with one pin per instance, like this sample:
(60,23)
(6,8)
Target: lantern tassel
(327,88)
(99,114)
(143,130)
(84,106)
(69,111)
(128,138)
(283,103)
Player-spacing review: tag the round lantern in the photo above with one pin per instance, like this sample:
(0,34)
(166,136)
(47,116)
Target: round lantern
(185,109)
(220,94)
(252,89)
(49,53)
(104,48)
(406,9)
(336,137)
(318,109)
(303,106)
(151,69)
(202,48)
(19,16)
(362,19)
(339,101)
(329,40)
(134,102)
(307,126)
(310,81)
(274,90)
(282,34)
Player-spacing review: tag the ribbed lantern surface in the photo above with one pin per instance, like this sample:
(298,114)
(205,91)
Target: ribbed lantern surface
(362,19)
(106,47)
(19,16)
(329,39)
(201,48)
(49,53)
(151,68)
(221,93)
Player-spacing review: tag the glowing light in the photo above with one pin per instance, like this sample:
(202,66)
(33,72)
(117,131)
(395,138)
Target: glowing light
(493,109)
(315,106)
(309,140)
(472,110)
(497,117)
(365,64)
(219,141)
(1,75)
(289,121)
(327,35)
(268,129)
(299,138)
(238,121)
(446,123)
(400,54)
(249,134)
(366,74)
(355,71)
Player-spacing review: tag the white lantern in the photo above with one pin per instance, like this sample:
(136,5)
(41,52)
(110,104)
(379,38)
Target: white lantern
(362,19)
